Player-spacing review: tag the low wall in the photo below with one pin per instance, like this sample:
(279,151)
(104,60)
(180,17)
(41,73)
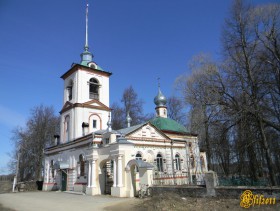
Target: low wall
(27,186)
(220,192)
(183,191)
(6,186)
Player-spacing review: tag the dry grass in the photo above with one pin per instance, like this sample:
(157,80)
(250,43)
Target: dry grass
(167,201)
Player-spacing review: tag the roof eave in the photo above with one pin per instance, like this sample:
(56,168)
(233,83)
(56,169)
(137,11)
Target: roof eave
(179,132)
(75,67)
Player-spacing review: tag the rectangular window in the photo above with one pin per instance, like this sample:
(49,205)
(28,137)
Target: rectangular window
(93,123)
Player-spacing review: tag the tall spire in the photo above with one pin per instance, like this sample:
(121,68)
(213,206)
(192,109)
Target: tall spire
(86,56)
(86,43)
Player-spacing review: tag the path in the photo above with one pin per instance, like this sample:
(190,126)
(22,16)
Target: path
(44,201)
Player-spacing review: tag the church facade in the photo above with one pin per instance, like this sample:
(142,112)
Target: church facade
(91,157)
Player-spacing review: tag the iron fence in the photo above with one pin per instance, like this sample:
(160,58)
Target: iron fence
(170,179)
(242,181)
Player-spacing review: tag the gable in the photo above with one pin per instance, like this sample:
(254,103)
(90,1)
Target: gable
(147,131)
(66,107)
(96,104)
(90,104)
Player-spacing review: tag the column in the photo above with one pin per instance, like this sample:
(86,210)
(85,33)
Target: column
(89,173)
(48,173)
(120,171)
(93,174)
(115,173)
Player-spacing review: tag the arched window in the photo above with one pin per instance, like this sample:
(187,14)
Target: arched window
(94,89)
(177,162)
(70,90)
(67,128)
(82,165)
(202,162)
(159,162)
(95,122)
(192,161)
(138,156)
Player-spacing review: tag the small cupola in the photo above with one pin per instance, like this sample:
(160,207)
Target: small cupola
(160,102)
(109,123)
(128,120)
(86,57)
(160,99)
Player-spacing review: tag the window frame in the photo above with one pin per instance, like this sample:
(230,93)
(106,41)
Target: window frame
(177,162)
(159,162)
(192,161)
(94,123)
(94,86)
(67,128)
(70,90)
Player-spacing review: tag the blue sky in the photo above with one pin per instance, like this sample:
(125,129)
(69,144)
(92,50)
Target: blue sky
(137,40)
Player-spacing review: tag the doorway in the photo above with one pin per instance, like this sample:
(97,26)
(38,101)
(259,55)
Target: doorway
(63,180)
(106,179)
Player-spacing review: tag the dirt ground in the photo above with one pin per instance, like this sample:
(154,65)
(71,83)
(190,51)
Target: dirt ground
(5,209)
(175,202)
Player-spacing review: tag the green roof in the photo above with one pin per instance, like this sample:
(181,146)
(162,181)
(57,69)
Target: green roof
(85,63)
(167,124)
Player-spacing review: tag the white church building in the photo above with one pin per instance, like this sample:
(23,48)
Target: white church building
(92,158)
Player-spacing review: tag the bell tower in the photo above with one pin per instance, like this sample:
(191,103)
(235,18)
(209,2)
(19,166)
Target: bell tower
(85,98)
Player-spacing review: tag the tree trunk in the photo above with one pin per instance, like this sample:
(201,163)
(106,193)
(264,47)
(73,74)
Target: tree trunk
(267,153)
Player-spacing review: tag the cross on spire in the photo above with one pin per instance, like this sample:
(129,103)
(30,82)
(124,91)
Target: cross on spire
(158,82)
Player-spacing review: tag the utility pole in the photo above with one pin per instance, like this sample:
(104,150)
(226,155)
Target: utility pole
(17,171)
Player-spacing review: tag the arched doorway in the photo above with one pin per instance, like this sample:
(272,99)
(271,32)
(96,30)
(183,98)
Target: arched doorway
(106,176)
(143,170)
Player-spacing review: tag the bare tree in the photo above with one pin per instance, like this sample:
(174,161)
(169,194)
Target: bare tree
(241,51)
(176,108)
(235,105)
(130,104)
(30,142)
(118,116)
(133,105)
(200,94)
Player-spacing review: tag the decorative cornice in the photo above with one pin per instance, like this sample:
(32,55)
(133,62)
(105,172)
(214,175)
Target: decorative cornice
(179,133)
(154,146)
(77,67)
(67,106)
(66,146)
